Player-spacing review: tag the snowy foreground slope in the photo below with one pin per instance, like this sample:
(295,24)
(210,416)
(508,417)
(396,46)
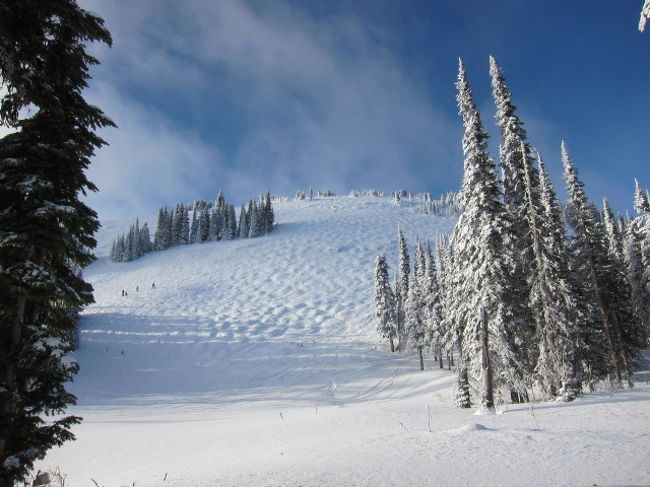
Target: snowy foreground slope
(256,362)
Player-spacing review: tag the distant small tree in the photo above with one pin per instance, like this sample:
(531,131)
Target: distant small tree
(145,239)
(385,306)
(402,287)
(242,227)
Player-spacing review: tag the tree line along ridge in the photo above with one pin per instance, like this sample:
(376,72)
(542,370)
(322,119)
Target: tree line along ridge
(209,222)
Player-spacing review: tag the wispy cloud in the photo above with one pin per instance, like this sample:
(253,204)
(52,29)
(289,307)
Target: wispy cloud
(247,97)
(150,160)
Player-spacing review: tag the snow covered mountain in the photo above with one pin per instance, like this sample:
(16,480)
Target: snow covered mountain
(257,362)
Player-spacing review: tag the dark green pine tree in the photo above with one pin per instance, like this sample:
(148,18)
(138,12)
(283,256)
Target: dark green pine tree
(194,225)
(269,216)
(183,236)
(252,219)
(145,239)
(166,229)
(242,226)
(46,231)
(158,235)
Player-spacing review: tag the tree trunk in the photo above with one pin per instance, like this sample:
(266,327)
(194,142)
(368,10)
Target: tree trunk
(487,394)
(400,328)
(8,406)
(392,345)
(440,360)
(463,395)
(421,358)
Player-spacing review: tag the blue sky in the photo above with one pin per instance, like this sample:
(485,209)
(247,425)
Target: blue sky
(247,96)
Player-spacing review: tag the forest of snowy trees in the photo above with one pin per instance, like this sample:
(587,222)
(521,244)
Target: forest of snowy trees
(209,222)
(537,300)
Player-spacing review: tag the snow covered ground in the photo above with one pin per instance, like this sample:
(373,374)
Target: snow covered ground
(256,363)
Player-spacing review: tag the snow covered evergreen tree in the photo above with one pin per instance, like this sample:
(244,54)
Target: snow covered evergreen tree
(176,226)
(385,306)
(641,204)
(481,293)
(552,298)
(253,227)
(269,215)
(517,165)
(242,226)
(166,229)
(204,224)
(613,235)
(402,288)
(158,239)
(183,237)
(639,288)
(415,326)
(432,296)
(419,264)
(606,291)
(194,225)
(214,225)
(230,228)
(145,239)
(46,231)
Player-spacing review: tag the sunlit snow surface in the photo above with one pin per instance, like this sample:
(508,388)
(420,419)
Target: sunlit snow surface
(256,362)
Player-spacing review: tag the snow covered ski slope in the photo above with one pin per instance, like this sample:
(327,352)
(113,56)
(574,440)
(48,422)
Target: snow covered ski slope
(256,362)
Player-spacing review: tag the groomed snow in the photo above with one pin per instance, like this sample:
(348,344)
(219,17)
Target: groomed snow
(256,363)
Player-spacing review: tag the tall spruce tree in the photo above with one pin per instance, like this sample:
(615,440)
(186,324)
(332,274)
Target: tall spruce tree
(419,264)
(432,296)
(641,204)
(269,215)
(402,287)
(385,306)
(145,239)
(213,228)
(158,235)
(551,294)
(516,166)
(242,226)
(612,232)
(46,231)
(452,323)
(230,225)
(183,237)
(481,279)
(415,326)
(639,289)
(611,318)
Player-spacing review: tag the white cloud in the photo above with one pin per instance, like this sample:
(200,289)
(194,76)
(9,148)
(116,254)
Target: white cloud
(313,102)
(150,160)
